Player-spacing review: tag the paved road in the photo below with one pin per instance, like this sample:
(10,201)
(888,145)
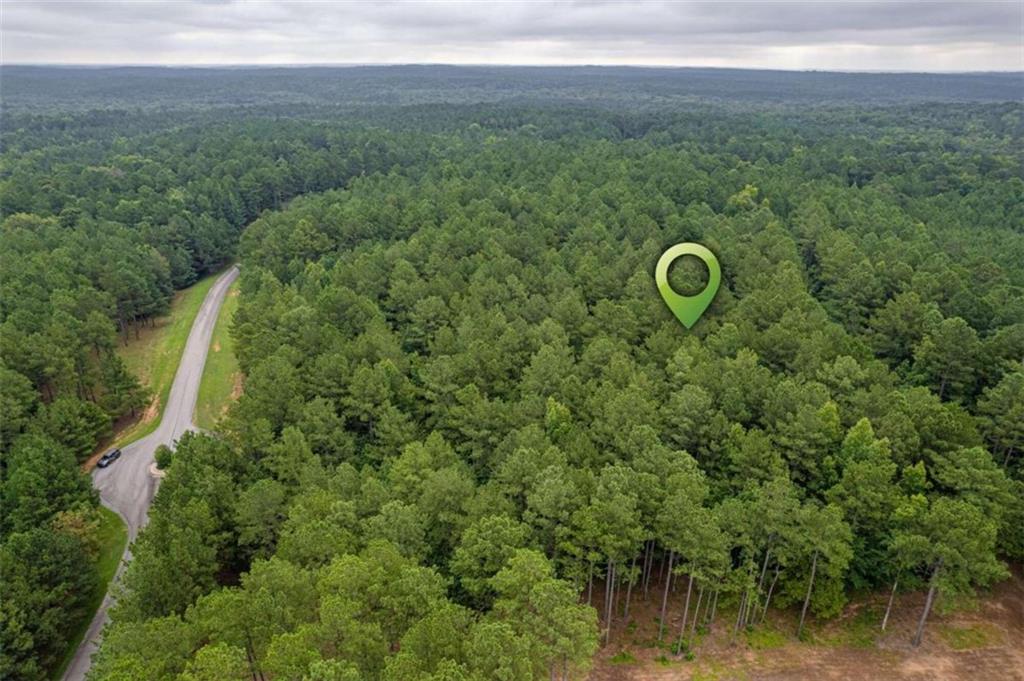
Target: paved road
(126,486)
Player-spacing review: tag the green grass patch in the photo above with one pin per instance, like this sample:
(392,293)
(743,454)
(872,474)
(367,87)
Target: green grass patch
(623,657)
(860,631)
(112,535)
(765,638)
(980,635)
(221,374)
(154,356)
(710,670)
(864,629)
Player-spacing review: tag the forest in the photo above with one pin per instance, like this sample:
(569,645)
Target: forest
(471,434)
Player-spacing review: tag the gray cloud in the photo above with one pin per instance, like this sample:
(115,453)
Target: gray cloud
(925,36)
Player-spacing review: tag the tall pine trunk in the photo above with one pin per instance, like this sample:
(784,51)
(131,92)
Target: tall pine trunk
(739,614)
(648,565)
(764,569)
(892,597)
(250,654)
(760,580)
(771,588)
(615,590)
(696,614)
(932,586)
(609,594)
(686,614)
(707,608)
(664,597)
(807,599)
(629,589)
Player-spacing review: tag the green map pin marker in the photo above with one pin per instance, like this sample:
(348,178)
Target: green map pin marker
(688,309)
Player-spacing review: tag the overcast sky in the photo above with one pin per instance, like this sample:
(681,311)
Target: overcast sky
(901,36)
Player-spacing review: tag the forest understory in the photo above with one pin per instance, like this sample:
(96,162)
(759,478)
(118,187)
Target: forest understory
(980,642)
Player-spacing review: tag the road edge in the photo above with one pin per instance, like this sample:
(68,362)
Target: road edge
(93,633)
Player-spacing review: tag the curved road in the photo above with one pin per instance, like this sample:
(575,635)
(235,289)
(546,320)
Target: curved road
(126,486)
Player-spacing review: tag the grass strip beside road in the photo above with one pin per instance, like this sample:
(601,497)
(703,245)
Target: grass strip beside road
(112,536)
(221,377)
(153,358)
(155,355)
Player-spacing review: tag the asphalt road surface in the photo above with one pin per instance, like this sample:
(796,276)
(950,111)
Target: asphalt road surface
(126,486)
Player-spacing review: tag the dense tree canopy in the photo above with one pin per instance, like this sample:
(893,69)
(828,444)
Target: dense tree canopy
(467,411)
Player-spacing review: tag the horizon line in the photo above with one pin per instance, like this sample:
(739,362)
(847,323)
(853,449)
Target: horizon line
(300,65)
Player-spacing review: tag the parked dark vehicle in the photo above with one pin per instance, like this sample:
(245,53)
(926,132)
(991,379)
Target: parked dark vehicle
(108,458)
